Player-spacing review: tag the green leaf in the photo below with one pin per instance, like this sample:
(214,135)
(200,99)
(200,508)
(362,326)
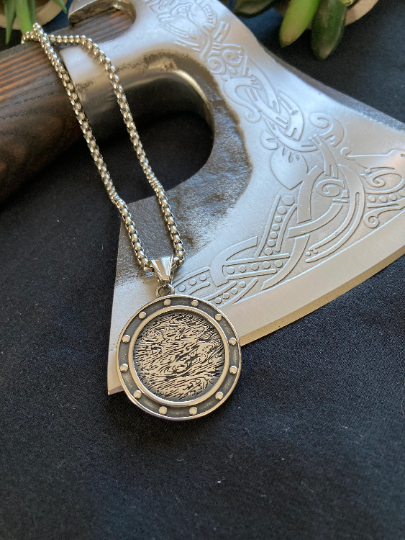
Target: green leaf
(10,12)
(328,27)
(251,8)
(32,10)
(23,15)
(298,17)
(61,5)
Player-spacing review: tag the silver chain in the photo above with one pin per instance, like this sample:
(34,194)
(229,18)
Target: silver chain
(46,41)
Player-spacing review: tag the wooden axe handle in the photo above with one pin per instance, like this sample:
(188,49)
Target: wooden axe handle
(36,119)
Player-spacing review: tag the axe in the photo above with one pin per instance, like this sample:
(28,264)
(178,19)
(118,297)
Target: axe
(303,195)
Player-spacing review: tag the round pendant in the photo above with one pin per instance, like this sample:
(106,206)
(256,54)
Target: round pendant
(178,358)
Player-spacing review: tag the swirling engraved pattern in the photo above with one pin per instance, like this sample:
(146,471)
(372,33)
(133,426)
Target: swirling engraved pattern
(327,193)
(178,355)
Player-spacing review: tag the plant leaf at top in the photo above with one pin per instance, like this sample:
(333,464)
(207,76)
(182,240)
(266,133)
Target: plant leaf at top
(251,8)
(10,12)
(32,10)
(23,15)
(328,26)
(61,5)
(296,20)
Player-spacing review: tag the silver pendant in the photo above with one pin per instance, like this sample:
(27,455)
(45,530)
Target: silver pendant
(178,357)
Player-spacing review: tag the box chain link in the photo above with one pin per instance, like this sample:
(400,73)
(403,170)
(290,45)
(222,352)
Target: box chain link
(46,41)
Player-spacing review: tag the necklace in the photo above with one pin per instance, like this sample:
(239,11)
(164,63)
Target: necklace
(178,357)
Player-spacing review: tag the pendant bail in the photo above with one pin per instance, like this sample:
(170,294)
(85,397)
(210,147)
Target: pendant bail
(163,270)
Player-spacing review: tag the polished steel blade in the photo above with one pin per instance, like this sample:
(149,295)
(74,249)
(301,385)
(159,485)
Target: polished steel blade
(303,195)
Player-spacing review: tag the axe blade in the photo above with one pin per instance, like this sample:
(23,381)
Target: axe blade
(307,203)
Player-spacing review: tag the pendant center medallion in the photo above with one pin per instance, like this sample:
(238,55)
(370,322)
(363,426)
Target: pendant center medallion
(178,358)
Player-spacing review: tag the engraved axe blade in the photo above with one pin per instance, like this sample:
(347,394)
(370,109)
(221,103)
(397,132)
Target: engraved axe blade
(307,201)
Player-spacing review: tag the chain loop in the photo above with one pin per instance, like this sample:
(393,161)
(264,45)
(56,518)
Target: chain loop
(164,290)
(46,41)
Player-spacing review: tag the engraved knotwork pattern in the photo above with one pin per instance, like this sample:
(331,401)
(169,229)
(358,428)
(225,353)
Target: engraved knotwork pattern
(178,355)
(329,193)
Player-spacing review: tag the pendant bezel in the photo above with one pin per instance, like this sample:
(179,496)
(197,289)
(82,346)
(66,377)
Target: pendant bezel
(178,409)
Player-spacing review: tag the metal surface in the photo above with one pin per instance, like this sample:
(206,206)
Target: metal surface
(303,195)
(178,358)
(163,269)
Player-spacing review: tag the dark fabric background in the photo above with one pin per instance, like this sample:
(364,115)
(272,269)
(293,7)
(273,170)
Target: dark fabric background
(310,446)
